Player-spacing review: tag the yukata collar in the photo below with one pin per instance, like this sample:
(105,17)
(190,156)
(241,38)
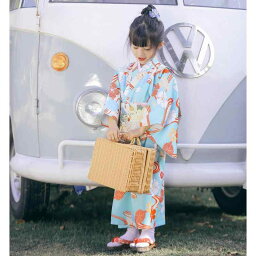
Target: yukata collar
(148,65)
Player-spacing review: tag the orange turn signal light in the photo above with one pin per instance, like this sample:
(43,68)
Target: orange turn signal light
(59,61)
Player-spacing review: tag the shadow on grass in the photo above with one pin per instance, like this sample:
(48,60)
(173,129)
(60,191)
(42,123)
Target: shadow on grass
(98,202)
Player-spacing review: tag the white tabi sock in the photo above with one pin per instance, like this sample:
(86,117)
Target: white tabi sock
(147,233)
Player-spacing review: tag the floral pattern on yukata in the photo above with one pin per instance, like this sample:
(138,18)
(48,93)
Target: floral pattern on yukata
(131,115)
(145,96)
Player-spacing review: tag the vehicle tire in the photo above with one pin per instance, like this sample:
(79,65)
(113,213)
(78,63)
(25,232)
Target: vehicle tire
(28,198)
(231,200)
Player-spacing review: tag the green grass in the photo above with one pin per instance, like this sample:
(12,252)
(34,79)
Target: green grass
(194,226)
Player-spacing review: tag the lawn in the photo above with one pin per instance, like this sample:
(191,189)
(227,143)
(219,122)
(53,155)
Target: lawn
(80,225)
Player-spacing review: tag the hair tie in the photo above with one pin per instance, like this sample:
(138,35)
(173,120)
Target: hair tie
(154,14)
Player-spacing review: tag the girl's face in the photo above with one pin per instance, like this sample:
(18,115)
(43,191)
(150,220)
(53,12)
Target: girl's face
(143,54)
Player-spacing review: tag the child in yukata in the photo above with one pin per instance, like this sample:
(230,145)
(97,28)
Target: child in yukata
(143,102)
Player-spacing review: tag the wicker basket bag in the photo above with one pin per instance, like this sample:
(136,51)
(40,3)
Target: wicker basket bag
(124,167)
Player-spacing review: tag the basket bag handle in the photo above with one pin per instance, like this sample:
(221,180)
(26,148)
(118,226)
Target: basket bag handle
(134,139)
(139,143)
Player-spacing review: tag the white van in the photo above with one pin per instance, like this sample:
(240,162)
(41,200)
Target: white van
(63,56)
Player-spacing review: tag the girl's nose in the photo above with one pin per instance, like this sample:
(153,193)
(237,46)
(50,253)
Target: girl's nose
(141,53)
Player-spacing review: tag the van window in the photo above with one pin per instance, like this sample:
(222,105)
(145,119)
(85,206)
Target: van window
(170,2)
(14,4)
(28,3)
(235,4)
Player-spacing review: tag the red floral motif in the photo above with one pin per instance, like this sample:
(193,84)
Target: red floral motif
(120,218)
(153,208)
(130,85)
(161,175)
(168,147)
(178,106)
(113,92)
(168,70)
(157,72)
(165,70)
(161,197)
(139,217)
(113,82)
(157,65)
(130,67)
(156,167)
(170,101)
(156,88)
(127,213)
(152,214)
(118,195)
(149,80)
(133,195)
(169,78)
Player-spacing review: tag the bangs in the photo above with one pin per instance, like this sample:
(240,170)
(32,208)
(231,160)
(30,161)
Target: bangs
(140,38)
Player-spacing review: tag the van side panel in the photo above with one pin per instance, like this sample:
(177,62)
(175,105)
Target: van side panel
(228,126)
(229,123)
(23,90)
(58,92)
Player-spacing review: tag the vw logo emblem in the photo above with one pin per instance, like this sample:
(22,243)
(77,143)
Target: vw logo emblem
(196,47)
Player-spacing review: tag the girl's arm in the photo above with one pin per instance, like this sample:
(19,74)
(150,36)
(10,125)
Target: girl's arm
(113,131)
(112,122)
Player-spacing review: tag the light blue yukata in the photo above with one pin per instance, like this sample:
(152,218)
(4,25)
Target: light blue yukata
(145,96)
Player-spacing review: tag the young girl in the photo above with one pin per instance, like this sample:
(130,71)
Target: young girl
(144,95)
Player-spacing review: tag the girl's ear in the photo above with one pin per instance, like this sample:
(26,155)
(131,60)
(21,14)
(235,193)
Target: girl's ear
(161,44)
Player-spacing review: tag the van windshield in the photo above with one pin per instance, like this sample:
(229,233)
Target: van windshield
(237,4)
(170,2)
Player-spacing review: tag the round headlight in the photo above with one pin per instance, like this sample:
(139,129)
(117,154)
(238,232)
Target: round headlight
(89,106)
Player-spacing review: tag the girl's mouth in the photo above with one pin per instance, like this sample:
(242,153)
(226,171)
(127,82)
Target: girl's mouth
(141,59)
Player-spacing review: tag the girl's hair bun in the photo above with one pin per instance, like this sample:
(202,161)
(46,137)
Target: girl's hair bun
(147,9)
(151,11)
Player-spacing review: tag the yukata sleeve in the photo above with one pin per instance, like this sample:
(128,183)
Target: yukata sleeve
(112,103)
(163,113)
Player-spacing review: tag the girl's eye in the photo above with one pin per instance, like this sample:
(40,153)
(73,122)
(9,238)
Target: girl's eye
(138,47)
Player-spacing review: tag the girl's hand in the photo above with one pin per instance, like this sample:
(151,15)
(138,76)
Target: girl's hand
(113,133)
(128,136)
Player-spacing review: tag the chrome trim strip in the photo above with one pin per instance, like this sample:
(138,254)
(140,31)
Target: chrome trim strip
(79,143)
(65,143)
(213,146)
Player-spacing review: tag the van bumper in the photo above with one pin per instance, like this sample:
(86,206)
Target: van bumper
(175,174)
